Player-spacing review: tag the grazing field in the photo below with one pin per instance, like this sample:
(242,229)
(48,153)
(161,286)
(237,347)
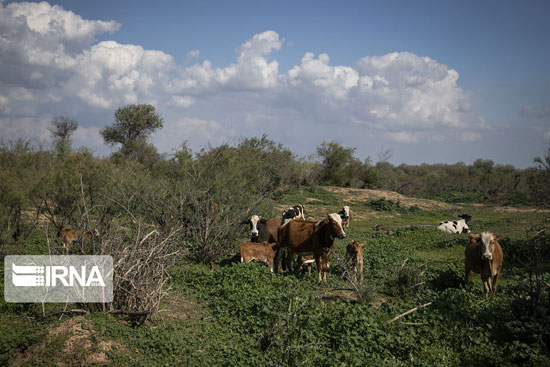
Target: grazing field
(242,314)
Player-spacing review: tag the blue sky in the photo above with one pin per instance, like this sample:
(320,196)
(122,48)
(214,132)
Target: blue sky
(436,81)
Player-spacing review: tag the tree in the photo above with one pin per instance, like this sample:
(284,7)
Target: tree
(340,167)
(133,125)
(539,182)
(62,128)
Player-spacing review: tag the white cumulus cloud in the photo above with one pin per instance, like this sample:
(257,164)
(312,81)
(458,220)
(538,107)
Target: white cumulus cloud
(52,64)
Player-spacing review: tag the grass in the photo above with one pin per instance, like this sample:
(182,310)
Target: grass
(242,314)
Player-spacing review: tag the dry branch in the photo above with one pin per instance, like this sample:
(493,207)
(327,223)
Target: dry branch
(409,311)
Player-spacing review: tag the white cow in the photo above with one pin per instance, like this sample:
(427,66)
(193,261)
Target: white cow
(454,226)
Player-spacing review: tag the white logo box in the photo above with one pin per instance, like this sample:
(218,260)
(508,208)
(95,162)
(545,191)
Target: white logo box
(58,278)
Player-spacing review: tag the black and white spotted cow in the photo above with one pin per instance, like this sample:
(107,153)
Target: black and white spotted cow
(456,226)
(295,212)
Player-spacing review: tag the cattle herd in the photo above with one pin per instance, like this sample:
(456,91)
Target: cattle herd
(281,238)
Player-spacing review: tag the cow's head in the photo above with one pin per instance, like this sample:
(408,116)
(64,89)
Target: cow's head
(254,225)
(336,229)
(354,247)
(488,241)
(289,213)
(274,246)
(466,217)
(344,212)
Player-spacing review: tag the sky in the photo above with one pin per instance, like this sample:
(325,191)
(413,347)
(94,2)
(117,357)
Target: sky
(432,81)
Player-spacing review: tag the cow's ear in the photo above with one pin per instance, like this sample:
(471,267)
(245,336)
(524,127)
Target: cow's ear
(474,237)
(361,244)
(497,237)
(263,220)
(245,221)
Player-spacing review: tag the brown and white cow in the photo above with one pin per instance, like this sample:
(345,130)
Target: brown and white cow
(69,235)
(303,237)
(483,255)
(346,214)
(354,257)
(384,230)
(263,252)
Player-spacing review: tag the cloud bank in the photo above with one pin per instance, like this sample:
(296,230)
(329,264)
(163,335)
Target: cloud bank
(52,64)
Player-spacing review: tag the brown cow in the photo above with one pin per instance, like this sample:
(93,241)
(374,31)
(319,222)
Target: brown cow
(69,235)
(483,255)
(354,257)
(258,251)
(346,214)
(311,238)
(379,228)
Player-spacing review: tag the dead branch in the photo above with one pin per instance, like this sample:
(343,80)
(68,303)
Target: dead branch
(409,311)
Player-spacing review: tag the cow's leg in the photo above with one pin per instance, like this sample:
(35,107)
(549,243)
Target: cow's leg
(495,281)
(485,281)
(289,257)
(354,272)
(277,259)
(325,267)
(318,262)
(361,271)
(468,275)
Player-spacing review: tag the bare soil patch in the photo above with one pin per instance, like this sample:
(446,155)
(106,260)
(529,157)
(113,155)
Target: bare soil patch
(350,295)
(74,342)
(349,196)
(178,306)
(508,209)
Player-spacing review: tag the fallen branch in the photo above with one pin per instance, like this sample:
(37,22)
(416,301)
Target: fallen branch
(130,313)
(409,311)
(79,311)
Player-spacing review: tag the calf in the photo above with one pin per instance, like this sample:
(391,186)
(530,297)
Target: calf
(378,227)
(455,226)
(69,235)
(346,214)
(354,257)
(483,255)
(264,252)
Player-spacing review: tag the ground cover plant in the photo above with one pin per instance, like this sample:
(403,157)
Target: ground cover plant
(243,314)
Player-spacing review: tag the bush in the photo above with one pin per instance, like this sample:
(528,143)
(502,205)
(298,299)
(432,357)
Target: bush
(383,204)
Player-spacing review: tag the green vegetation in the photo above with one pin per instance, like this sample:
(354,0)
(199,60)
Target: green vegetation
(209,310)
(384,204)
